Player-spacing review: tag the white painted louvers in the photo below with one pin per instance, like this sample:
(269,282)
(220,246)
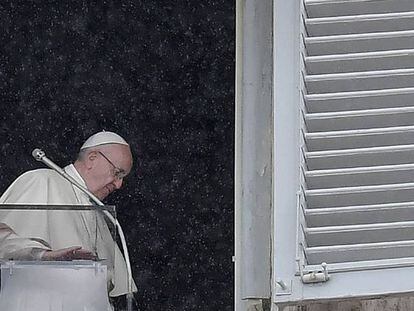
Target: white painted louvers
(356,208)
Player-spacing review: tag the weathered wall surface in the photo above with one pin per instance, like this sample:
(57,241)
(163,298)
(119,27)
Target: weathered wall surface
(385,304)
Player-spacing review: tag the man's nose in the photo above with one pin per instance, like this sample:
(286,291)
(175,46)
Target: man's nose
(118,183)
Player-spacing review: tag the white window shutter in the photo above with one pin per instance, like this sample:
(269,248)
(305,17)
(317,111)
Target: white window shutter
(355,151)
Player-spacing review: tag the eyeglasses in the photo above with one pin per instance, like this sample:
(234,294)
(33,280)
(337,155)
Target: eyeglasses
(119,173)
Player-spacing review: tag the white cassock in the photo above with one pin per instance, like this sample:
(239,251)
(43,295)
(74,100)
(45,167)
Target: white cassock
(59,229)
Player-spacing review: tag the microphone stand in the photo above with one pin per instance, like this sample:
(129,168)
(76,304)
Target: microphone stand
(39,155)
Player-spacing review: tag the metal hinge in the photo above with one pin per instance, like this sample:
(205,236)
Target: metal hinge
(316,276)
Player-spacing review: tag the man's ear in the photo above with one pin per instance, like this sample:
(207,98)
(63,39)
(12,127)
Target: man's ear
(90,159)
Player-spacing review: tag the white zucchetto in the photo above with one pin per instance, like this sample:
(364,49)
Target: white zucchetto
(103,138)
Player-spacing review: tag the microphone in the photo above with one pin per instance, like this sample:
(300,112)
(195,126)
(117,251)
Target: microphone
(38,154)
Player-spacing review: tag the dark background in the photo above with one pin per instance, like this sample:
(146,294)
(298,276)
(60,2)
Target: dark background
(161,74)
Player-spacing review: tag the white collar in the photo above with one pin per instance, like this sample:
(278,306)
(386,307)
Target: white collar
(72,171)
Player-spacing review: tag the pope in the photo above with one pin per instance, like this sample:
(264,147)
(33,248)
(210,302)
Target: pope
(104,160)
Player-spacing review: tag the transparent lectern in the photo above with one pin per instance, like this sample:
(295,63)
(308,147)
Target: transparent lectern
(68,283)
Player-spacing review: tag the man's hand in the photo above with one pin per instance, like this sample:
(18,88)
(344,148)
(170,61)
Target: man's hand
(70,253)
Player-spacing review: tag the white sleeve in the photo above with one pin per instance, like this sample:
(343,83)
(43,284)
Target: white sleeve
(24,190)
(19,248)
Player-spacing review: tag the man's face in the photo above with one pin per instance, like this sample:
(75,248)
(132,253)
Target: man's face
(107,166)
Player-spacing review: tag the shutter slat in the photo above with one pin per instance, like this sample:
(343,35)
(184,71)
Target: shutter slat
(362,176)
(354,24)
(359,119)
(338,140)
(356,190)
(325,8)
(358,113)
(360,132)
(363,233)
(362,214)
(371,99)
(372,81)
(357,95)
(387,155)
(356,75)
(354,62)
(350,196)
(360,252)
(365,265)
(359,43)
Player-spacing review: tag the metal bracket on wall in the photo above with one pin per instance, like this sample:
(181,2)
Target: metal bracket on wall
(283,287)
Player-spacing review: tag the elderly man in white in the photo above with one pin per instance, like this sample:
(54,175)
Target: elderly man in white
(104,160)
